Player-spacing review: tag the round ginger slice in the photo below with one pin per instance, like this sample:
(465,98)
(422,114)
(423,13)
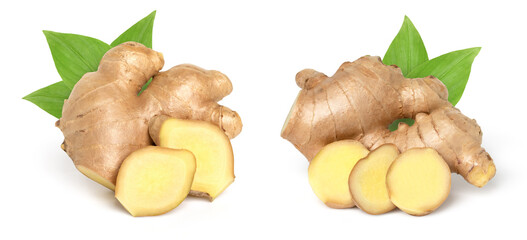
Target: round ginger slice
(330,169)
(154,180)
(367,181)
(418,181)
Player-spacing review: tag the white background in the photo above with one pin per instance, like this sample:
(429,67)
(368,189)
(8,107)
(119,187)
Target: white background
(261,46)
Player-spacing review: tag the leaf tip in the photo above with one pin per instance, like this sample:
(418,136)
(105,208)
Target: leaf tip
(472,51)
(50,34)
(408,22)
(28,97)
(152,15)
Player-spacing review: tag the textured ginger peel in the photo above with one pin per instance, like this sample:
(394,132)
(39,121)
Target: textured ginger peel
(208,143)
(104,120)
(329,172)
(364,97)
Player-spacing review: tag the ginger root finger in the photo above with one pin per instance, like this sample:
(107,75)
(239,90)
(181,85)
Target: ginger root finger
(418,181)
(364,97)
(104,120)
(367,181)
(455,137)
(329,172)
(210,146)
(154,180)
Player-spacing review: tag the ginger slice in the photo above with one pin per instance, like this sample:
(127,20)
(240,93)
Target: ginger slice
(418,181)
(210,146)
(330,169)
(367,181)
(154,180)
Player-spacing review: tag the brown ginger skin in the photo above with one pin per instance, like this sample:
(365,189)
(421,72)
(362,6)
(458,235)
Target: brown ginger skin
(104,120)
(365,96)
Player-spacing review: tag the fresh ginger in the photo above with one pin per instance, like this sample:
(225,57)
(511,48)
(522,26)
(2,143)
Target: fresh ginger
(329,172)
(154,180)
(365,96)
(208,143)
(104,119)
(367,181)
(418,181)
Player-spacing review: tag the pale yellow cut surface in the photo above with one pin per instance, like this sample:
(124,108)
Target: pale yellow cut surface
(330,169)
(212,149)
(154,180)
(367,180)
(418,181)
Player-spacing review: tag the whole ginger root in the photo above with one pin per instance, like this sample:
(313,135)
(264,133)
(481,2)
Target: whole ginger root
(104,120)
(364,97)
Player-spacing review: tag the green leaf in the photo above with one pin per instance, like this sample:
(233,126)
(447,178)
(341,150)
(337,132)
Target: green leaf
(145,86)
(140,32)
(407,49)
(74,55)
(453,69)
(395,124)
(50,98)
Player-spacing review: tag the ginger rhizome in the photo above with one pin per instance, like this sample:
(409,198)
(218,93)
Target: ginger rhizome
(329,172)
(104,119)
(367,181)
(154,180)
(418,181)
(364,97)
(208,143)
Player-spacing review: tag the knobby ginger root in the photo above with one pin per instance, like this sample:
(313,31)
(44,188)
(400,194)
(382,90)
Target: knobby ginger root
(208,143)
(154,180)
(418,181)
(104,120)
(367,181)
(365,96)
(329,172)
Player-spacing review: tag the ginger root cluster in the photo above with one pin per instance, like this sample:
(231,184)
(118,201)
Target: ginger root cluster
(364,97)
(104,120)
(109,130)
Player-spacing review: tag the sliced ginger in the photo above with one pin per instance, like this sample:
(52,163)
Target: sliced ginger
(367,181)
(210,146)
(418,181)
(154,180)
(330,169)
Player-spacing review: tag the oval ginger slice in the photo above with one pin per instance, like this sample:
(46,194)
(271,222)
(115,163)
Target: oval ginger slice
(367,181)
(154,180)
(330,169)
(418,181)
